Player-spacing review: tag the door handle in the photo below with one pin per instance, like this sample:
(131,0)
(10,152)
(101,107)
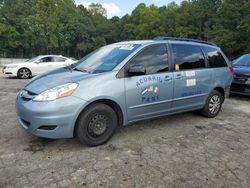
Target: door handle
(167,78)
(179,76)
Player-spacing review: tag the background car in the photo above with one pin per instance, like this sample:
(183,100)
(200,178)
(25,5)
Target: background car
(241,81)
(37,65)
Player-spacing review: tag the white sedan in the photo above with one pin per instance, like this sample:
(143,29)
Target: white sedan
(37,65)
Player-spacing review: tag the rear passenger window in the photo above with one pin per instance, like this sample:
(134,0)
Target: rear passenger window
(154,58)
(59,59)
(215,58)
(188,57)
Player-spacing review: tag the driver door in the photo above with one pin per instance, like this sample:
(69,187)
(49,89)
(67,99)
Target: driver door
(151,94)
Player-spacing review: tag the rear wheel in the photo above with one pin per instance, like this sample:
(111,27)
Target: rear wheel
(213,104)
(96,125)
(23,73)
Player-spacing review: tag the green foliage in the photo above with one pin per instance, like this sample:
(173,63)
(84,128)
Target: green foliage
(33,27)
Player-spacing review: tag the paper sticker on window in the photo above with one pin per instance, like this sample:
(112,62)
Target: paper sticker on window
(191,82)
(127,47)
(177,67)
(190,73)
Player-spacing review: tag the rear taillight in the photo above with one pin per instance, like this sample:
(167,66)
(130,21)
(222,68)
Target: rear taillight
(231,70)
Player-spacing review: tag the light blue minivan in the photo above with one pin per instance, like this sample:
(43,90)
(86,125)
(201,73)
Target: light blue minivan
(122,83)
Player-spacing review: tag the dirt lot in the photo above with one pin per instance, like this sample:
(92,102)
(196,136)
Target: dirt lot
(184,150)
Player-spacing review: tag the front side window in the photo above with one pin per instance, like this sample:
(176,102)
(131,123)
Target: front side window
(105,59)
(215,58)
(154,58)
(243,60)
(187,57)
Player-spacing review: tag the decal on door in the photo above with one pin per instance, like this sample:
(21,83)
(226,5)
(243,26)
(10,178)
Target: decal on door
(190,73)
(148,79)
(150,94)
(191,82)
(152,89)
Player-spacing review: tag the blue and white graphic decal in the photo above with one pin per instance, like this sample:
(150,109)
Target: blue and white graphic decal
(149,89)
(152,89)
(150,94)
(148,79)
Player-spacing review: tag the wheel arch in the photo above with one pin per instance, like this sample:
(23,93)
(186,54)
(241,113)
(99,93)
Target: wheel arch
(111,103)
(221,90)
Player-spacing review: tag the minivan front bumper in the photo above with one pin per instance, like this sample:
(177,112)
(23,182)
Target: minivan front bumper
(53,119)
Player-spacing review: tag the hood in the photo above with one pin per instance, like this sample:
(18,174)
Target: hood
(13,64)
(55,78)
(242,70)
(17,63)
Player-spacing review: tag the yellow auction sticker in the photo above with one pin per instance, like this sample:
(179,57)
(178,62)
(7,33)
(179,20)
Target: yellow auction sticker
(177,67)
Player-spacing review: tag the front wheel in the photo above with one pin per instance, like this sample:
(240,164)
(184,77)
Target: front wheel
(96,125)
(24,73)
(213,104)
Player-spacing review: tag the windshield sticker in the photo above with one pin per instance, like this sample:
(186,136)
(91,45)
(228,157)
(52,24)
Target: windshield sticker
(191,82)
(126,47)
(190,73)
(147,79)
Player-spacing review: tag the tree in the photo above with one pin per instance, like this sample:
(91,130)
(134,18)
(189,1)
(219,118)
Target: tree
(144,22)
(168,20)
(34,27)
(232,27)
(96,8)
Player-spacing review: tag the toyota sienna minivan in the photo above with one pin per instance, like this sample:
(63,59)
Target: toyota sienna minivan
(123,83)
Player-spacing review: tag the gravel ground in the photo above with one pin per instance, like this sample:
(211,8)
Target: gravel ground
(184,150)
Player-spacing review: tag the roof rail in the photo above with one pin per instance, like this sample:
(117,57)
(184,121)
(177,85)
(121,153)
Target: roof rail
(185,39)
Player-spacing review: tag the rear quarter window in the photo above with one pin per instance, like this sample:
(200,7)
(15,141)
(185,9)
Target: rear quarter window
(59,59)
(214,57)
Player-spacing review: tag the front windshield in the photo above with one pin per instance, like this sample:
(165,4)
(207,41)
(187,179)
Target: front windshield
(33,59)
(243,61)
(106,58)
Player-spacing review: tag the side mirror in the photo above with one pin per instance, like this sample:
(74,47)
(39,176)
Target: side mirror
(137,70)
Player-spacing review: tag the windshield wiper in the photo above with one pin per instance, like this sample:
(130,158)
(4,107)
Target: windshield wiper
(70,67)
(81,70)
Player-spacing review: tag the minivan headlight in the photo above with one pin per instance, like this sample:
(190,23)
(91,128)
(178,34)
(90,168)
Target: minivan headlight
(57,92)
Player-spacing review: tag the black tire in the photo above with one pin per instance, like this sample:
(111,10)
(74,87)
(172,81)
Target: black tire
(213,104)
(96,124)
(24,73)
